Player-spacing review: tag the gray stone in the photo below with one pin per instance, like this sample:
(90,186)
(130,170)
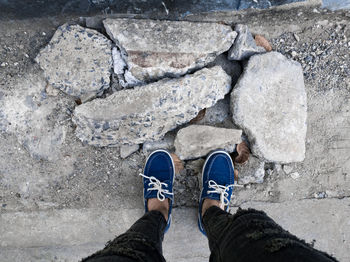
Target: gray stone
(218,115)
(36,119)
(244,45)
(269,104)
(287,169)
(154,49)
(196,140)
(232,68)
(251,172)
(127,150)
(125,78)
(147,113)
(77,60)
(167,142)
(295,175)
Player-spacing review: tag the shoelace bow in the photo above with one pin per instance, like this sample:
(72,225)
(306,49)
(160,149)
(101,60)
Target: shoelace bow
(222,190)
(155,184)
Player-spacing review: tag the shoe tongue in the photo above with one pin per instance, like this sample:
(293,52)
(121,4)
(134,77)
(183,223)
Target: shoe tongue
(151,194)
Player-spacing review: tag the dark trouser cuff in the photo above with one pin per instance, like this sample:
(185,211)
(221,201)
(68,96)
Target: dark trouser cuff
(249,235)
(142,242)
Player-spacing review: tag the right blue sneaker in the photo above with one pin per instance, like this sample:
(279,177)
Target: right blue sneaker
(217,180)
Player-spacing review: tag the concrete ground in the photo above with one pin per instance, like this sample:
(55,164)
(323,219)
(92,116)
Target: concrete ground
(68,207)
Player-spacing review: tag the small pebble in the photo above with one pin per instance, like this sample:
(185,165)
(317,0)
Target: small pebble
(3,64)
(287,169)
(320,195)
(295,175)
(296,37)
(44,33)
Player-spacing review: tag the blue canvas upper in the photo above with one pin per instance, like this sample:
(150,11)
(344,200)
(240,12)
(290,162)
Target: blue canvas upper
(217,181)
(158,179)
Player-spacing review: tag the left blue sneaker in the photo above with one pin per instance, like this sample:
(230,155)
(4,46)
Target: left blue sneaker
(158,179)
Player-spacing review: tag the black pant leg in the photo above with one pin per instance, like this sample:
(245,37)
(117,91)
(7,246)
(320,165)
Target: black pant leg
(142,242)
(252,236)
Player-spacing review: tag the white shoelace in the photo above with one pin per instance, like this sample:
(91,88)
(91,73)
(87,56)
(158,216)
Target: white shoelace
(155,184)
(222,190)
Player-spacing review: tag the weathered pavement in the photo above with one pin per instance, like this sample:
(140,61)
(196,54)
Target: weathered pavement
(70,234)
(66,208)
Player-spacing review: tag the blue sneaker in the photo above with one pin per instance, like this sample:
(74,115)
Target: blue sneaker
(218,181)
(158,179)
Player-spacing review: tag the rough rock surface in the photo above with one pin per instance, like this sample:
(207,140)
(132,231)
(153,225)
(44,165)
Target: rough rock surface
(251,172)
(218,115)
(37,120)
(167,142)
(146,113)
(244,45)
(86,56)
(127,150)
(196,140)
(269,104)
(232,68)
(189,179)
(155,49)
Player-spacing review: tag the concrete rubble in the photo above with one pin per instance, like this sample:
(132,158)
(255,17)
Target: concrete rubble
(196,141)
(62,199)
(153,49)
(218,115)
(147,113)
(167,142)
(269,104)
(232,68)
(244,45)
(87,58)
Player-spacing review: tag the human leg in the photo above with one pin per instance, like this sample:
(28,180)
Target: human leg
(249,235)
(143,241)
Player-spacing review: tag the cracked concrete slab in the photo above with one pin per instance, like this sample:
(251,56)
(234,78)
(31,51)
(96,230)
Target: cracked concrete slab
(147,113)
(269,103)
(87,58)
(156,49)
(197,141)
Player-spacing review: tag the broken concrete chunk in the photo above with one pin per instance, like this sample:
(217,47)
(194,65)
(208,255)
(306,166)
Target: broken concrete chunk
(244,45)
(232,68)
(269,104)
(154,49)
(147,113)
(127,150)
(126,79)
(77,60)
(218,115)
(252,172)
(196,141)
(167,142)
